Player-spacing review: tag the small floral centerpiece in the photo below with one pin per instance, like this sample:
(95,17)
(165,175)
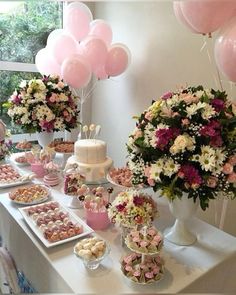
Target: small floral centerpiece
(132,208)
(45,104)
(5,148)
(185,142)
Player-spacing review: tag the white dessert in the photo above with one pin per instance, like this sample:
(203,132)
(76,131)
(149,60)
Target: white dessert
(90,156)
(90,151)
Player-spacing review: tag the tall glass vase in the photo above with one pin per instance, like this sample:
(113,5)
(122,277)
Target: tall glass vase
(182,209)
(44,138)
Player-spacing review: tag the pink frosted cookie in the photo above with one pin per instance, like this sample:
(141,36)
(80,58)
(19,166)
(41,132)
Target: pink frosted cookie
(143,272)
(148,240)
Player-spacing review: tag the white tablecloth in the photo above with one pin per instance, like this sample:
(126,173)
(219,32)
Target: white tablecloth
(207,266)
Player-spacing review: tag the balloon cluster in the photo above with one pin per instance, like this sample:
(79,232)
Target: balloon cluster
(82,48)
(208,16)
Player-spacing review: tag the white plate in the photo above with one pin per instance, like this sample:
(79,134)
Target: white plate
(25,178)
(73,217)
(34,202)
(15,155)
(125,187)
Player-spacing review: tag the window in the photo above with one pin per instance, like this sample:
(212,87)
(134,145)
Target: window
(24,28)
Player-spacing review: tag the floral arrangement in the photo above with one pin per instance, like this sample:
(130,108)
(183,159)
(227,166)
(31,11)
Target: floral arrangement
(5,148)
(185,142)
(132,208)
(45,104)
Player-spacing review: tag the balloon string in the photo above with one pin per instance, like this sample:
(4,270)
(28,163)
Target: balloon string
(217,78)
(90,91)
(204,44)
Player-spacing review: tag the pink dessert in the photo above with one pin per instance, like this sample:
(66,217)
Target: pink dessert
(51,179)
(72,183)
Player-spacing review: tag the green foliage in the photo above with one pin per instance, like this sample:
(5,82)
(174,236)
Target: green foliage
(23,32)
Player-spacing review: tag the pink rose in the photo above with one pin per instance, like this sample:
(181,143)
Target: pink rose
(65,113)
(128,268)
(143,266)
(212,181)
(148,116)
(147,171)
(228,168)
(136,239)
(180,175)
(156,270)
(232,160)
(149,275)
(167,95)
(154,243)
(137,273)
(60,84)
(137,134)
(134,234)
(128,259)
(151,232)
(151,182)
(143,243)
(157,238)
(189,98)
(53,97)
(232,178)
(185,122)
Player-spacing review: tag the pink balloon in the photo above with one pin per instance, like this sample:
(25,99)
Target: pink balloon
(102,30)
(95,50)
(180,17)
(101,73)
(76,71)
(76,22)
(53,35)
(207,16)
(62,47)
(225,52)
(81,6)
(46,64)
(117,60)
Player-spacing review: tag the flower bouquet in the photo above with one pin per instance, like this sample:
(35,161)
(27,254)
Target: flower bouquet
(45,104)
(5,148)
(132,208)
(185,142)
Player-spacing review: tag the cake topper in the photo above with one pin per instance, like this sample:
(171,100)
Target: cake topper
(92,131)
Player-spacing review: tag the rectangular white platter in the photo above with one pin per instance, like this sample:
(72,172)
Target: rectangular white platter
(73,217)
(19,181)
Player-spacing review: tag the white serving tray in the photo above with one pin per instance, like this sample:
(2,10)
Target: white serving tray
(36,202)
(25,178)
(14,156)
(73,217)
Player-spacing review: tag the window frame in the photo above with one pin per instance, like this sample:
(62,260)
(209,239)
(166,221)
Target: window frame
(12,66)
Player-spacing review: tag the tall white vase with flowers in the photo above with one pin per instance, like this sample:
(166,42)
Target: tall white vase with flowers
(184,143)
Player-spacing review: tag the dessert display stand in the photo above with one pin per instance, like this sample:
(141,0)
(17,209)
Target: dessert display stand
(141,262)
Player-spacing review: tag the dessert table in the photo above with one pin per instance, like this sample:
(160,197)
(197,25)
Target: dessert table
(197,268)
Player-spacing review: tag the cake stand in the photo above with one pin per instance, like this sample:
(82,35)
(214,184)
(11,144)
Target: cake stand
(150,258)
(122,187)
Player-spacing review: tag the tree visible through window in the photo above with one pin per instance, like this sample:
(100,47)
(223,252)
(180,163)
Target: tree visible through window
(24,28)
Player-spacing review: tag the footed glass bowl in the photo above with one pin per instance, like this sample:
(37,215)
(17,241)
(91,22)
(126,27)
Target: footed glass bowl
(93,264)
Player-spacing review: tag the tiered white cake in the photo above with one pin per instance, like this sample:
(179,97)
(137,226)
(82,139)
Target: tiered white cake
(91,157)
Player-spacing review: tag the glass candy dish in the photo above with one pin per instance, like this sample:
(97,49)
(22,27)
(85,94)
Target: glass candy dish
(92,264)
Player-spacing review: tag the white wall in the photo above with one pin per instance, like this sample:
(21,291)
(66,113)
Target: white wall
(164,55)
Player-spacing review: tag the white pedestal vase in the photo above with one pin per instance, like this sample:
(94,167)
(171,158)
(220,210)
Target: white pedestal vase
(44,138)
(182,209)
(72,135)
